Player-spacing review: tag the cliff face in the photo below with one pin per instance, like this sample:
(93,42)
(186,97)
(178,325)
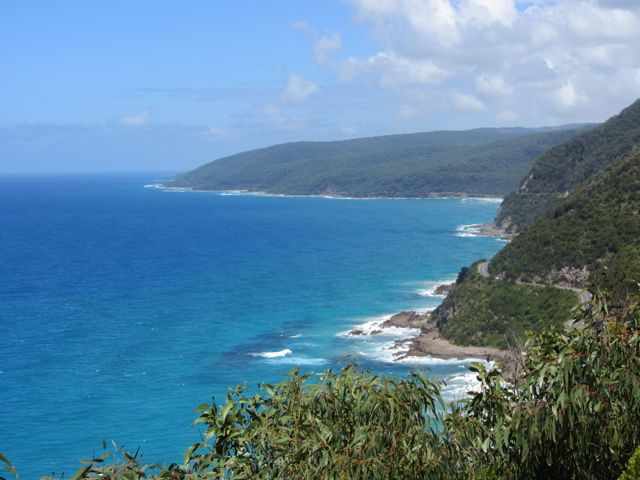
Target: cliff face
(564,167)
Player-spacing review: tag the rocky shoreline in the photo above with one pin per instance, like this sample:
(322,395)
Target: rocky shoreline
(491,230)
(333,194)
(429,343)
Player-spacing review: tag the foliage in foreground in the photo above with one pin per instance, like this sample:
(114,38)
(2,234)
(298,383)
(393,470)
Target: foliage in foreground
(573,414)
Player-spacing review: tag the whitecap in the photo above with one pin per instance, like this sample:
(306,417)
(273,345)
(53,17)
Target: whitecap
(373,327)
(460,384)
(177,189)
(429,288)
(299,361)
(279,353)
(396,353)
(483,199)
(472,230)
(160,186)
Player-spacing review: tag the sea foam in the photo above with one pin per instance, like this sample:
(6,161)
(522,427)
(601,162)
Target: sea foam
(396,353)
(472,230)
(428,288)
(483,199)
(279,353)
(372,327)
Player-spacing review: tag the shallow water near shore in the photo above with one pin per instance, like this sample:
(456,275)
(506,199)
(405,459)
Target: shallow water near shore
(123,307)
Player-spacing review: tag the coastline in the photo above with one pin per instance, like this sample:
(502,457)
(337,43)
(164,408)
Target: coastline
(336,196)
(429,343)
(417,337)
(485,230)
(423,343)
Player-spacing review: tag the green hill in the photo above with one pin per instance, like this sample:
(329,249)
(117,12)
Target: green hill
(587,237)
(566,166)
(592,238)
(489,311)
(599,220)
(476,162)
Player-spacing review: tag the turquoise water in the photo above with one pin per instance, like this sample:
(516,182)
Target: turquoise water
(123,307)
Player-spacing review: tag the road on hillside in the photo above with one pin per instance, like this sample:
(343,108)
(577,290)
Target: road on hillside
(585,297)
(483,269)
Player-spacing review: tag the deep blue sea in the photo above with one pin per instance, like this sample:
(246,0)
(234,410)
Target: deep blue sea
(122,307)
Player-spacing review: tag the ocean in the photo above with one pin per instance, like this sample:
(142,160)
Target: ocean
(122,307)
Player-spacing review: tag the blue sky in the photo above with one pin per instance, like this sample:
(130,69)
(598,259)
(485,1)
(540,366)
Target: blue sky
(159,85)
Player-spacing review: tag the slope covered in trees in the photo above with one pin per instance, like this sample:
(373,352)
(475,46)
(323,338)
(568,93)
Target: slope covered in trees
(598,221)
(490,312)
(568,165)
(590,237)
(482,161)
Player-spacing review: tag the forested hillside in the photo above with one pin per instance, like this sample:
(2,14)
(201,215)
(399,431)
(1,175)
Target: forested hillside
(587,237)
(491,312)
(568,165)
(600,220)
(475,162)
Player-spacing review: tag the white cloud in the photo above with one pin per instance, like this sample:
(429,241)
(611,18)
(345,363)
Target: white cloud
(506,117)
(327,45)
(567,96)
(591,21)
(488,12)
(137,119)
(298,89)
(408,111)
(494,85)
(464,101)
(519,55)
(392,70)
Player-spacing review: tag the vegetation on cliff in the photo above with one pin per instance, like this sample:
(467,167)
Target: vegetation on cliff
(489,312)
(597,223)
(589,235)
(591,238)
(482,161)
(568,165)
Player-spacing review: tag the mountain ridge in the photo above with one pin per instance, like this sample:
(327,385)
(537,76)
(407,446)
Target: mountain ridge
(587,237)
(480,161)
(566,166)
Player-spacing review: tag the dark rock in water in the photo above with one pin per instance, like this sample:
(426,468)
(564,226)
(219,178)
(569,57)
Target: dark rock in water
(376,332)
(356,332)
(406,320)
(443,289)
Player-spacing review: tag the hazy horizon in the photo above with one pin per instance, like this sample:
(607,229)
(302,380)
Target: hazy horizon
(154,87)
